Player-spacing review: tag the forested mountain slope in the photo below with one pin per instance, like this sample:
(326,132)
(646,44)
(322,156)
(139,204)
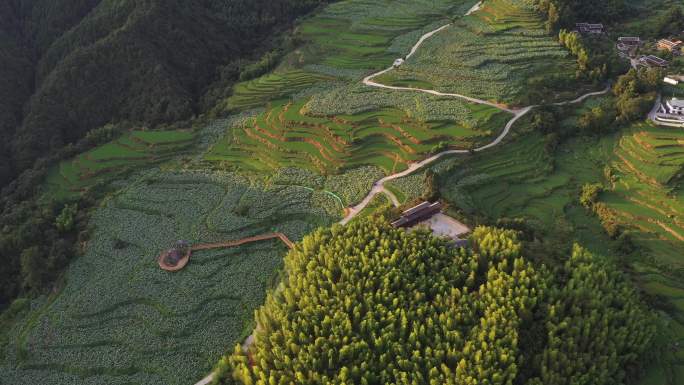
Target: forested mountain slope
(68,66)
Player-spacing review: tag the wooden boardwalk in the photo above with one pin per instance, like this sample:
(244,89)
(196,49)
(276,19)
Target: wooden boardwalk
(220,245)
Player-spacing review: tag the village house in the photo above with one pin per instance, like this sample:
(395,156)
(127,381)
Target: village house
(417,214)
(669,45)
(627,45)
(671,112)
(629,41)
(652,61)
(674,106)
(429,215)
(589,29)
(671,80)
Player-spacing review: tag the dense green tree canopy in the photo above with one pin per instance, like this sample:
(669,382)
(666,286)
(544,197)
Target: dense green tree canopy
(69,66)
(370,304)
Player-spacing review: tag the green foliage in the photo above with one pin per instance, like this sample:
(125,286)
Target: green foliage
(31,270)
(597,329)
(439,147)
(635,92)
(565,13)
(590,194)
(672,22)
(410,308)
(595,57)
(543,120)
(597,120)
(66,218)
(261,67)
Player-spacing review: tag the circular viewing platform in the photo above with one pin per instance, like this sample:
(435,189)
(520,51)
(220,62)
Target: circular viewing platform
(173,259)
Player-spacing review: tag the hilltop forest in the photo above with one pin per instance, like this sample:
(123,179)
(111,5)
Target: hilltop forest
(370,304)
(69,66)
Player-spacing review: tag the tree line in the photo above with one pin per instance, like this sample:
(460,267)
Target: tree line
(371,304)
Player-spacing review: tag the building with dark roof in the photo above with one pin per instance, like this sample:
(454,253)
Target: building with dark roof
(652,61)
(589,28)
(417,214)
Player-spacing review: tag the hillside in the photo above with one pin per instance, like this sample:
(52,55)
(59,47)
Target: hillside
(226,127)
(405,307)
(71,66)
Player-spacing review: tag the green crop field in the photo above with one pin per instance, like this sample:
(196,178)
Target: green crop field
(493,54)
(273,86)
(135,149)
(647,199)
(366,35)
(286,135)
(345,124)
(310,140)
(120,319)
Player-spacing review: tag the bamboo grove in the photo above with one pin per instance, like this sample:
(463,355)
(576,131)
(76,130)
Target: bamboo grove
(370,304)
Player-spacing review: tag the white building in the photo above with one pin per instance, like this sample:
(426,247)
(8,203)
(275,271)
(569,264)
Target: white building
(674,106)
(670,113)
(398,62)
(670,80)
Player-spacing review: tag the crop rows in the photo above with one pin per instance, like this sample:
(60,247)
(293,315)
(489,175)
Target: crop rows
(132,150)
(490,54)
(650,165)
(291,135)
(120,319)
(356,34)
(258,92)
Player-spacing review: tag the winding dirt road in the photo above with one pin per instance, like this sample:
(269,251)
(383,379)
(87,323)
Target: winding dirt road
(378,187)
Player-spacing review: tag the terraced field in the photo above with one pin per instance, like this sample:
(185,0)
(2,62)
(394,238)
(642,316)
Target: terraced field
(644,193)
(648,200)
(365,35)
(287,135)
(274,86)
(135,149)
(121,320)
(493,54)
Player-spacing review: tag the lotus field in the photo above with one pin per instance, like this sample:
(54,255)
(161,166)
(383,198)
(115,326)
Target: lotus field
(121,320)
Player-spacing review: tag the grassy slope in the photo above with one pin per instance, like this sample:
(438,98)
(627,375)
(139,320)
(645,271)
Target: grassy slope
(344,42)
(118,319)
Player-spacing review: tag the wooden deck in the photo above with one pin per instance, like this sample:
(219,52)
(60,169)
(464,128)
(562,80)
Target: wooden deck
(220,245)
